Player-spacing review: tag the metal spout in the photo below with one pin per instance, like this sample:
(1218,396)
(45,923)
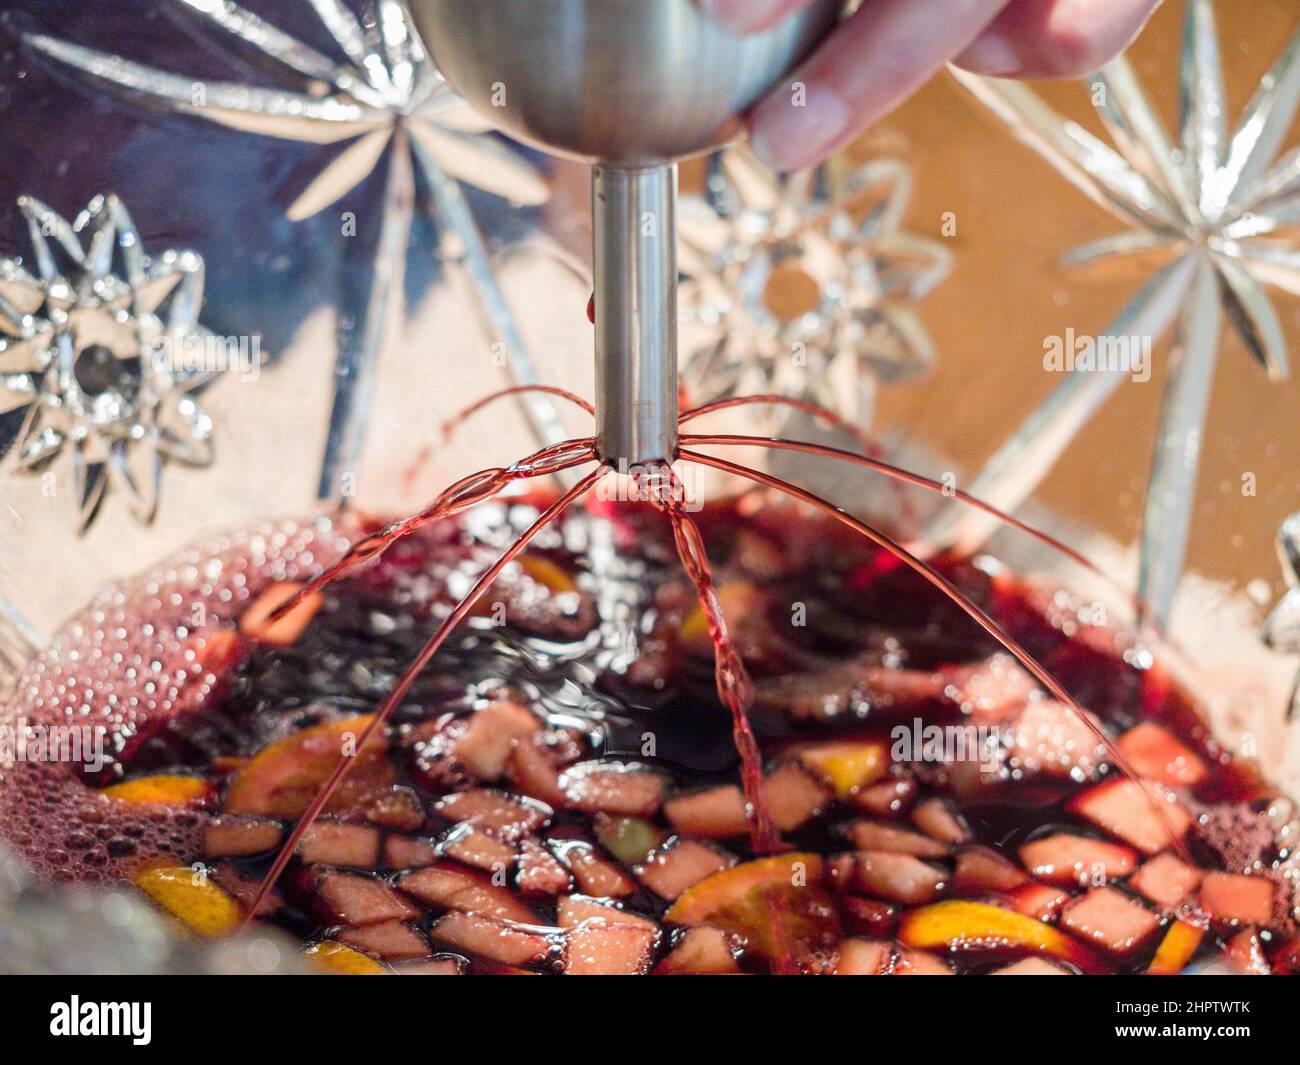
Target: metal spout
(635,254)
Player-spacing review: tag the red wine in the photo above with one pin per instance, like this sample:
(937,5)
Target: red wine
(561,789)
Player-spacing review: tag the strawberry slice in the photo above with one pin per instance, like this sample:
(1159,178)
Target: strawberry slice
(682,864)
(1146,816)
(333,843)
(872,836)
(393,940)
(1155,753)
(701,951)
(1176,949)
(777,904)
(1166,880)
(1233,899)
(1070,860)
(899,877)
(282,779)
(453,888)
(964,927)
(1109,919)
(488,938)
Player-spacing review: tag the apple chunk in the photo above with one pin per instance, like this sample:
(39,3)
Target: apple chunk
(1145,816)
(1110,919)
(1070,860)
(1231,898)
(1155,753)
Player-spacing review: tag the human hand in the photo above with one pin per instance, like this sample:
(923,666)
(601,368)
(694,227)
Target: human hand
(890,48)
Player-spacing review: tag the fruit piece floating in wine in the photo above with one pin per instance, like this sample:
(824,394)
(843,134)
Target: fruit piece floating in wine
(530,732)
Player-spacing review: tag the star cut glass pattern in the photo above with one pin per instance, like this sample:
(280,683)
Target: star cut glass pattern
(1220,210)
(85,331)
(806,281)
(380,105)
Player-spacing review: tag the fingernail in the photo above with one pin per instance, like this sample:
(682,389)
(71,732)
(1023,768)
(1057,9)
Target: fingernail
(742,16)
(991,54)
(799,126)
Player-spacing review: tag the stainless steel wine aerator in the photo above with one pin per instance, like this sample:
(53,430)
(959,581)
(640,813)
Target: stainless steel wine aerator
(631,87)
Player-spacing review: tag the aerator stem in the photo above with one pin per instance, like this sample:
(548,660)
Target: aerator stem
(634,215)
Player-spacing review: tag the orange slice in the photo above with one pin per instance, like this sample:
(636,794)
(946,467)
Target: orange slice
(548,574)
(339,959)
(776,903)
(847,766)
(1176,949)
(192,899)
(283,778)
(256,621)
(978,927)
(164,789)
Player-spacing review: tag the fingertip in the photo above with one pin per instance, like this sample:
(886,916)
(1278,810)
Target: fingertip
(992,55)
(799,125)
(1057,39)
